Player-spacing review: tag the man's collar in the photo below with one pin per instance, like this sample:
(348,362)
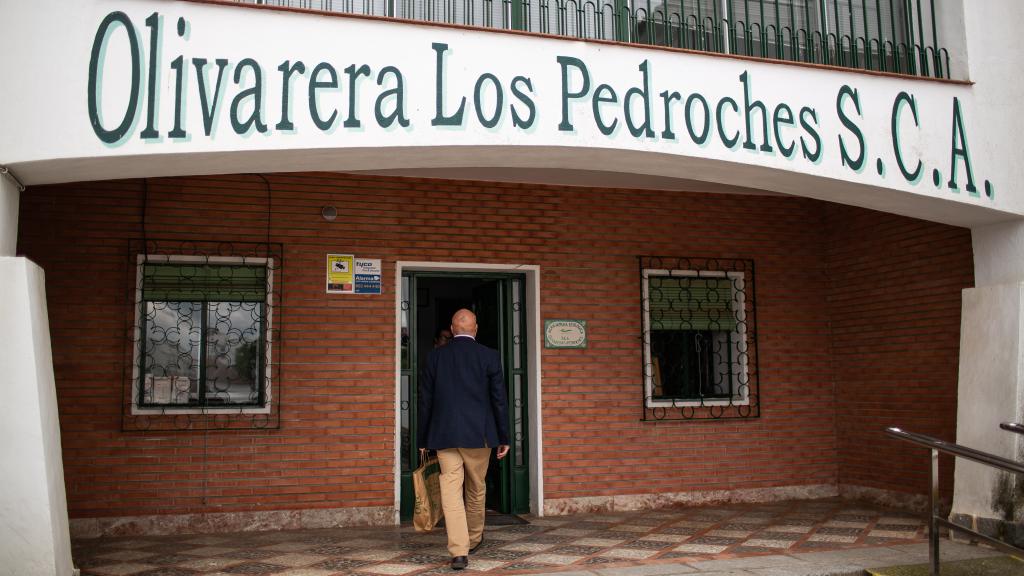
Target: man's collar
(464,336)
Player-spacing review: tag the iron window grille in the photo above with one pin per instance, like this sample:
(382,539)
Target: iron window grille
(699,339)
(203,343)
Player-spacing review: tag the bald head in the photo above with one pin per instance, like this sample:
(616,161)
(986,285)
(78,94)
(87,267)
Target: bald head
(464,322)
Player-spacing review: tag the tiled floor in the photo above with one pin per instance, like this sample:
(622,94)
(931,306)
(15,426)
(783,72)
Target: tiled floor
(546,544)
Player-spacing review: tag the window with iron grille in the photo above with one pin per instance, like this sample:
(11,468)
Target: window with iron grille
(699,339)
(203,324)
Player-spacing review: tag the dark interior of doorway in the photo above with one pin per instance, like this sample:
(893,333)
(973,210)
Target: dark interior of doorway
(437,300)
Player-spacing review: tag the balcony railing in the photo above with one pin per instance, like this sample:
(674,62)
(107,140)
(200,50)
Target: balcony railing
(898,36)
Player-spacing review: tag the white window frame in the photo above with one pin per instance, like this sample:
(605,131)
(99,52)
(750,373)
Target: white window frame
(739,334)
(268,344)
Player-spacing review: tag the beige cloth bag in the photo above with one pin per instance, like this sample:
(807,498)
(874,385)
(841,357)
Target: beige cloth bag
(426,483)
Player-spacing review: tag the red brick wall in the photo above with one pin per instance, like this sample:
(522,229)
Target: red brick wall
(894,297)
(335,445)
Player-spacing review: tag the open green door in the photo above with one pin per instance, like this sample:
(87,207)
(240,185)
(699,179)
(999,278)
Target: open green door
(428,300)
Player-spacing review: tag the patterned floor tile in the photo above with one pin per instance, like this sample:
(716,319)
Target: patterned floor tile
(410,546)
(504,555)
(168,559)
(577,550)
(569,532)
(339,564)
(296,560)
(790,528)
(551,522)
(602,542)
(729,533)
(644,544)
(425,559)
(616,534)
(254,568)
(628,553)
(700,548)
(524,529)
(897,527)
(378,555)
(810,546)
(168,571)
(693,524)
(902,535)
(306,572)
(250,553)
(210,551)
(130,544)
(741,526)
(846,524)
(659,537)
(680,530)
(291,547)
(121,569)
(763,543)
(209,564)
(839,531)
(749,519)
(552,543)
(635,528)
(832,538)
(527,566)
(528,546)
(600,560)
(125,555)
(743,549)
(717,540)
(395,569)
(556,559)
(207,540)
(587,525)
(477,565)
(904,520)
(505,535)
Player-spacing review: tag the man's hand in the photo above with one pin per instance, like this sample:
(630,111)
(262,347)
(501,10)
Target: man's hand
(502,451)
(423,455)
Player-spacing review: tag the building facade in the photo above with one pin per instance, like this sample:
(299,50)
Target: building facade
(720,247)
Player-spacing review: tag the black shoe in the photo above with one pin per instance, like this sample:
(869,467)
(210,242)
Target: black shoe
(478,545)
(460,562)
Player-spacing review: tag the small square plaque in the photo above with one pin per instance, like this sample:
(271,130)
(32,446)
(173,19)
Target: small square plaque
(562,333)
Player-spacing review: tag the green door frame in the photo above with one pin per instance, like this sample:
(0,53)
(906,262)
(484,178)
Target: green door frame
(515,492)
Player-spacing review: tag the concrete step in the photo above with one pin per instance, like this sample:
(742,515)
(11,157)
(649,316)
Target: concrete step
(994,566)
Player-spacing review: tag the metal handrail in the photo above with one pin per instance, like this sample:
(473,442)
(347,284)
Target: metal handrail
(934,519)
(1013,427)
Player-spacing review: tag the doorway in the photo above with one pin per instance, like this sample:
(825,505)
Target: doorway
(428,301)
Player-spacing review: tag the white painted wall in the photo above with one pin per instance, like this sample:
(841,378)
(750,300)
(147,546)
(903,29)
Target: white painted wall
(991,382)
(49,138)
(9,197)
(991,361)
(34,537)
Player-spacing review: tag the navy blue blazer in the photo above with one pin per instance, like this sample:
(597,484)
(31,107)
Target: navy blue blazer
(461,400)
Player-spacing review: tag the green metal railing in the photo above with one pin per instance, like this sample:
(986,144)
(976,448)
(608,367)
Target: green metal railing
(898,36)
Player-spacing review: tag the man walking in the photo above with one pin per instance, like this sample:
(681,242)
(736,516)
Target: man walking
(462,415)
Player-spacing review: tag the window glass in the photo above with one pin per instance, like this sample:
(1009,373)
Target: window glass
(204,343)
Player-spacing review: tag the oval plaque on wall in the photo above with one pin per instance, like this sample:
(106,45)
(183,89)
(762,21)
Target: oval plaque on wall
(565,333)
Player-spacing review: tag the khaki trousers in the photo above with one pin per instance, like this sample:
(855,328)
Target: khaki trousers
(463,472)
